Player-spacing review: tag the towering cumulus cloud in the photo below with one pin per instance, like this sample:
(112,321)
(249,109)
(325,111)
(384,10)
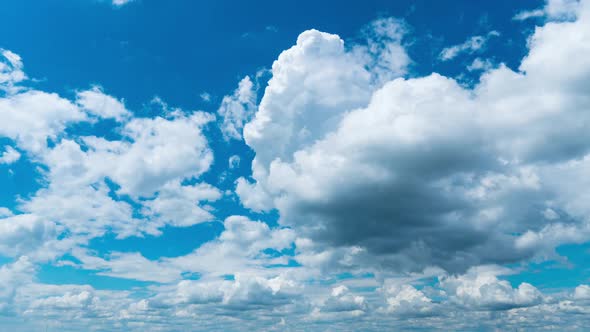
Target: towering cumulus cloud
(423,171)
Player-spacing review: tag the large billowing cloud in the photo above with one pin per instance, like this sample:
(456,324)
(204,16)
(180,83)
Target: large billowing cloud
(424,171)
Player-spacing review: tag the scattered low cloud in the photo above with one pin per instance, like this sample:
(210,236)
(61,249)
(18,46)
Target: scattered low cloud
(471,45)
(553,10)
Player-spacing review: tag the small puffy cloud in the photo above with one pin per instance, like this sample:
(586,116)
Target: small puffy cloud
(582,292)
(155,151)
(342,299)
(5,212)
(252,196)
(178,205)
(237,109)
(246,292)
(9,156)
(480,288)
(96,102)
(234,161)
(32,117)
(205,96)
(479,64)
(11,70)
(471,45)
(406,300)
(120,3)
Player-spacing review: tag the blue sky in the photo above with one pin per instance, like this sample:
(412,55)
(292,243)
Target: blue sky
(309,165)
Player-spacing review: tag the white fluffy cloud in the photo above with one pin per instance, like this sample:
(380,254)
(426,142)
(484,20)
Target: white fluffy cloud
(96,102)
(32,117)
(178,205)
(83,178)
(13,276)
(21,233)
(423,171)
(407,300)
(313,84)
(391,193)
(9,156)
(480,288)
(237,109)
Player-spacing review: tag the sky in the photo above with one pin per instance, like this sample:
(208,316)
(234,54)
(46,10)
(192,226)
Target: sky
(294,166)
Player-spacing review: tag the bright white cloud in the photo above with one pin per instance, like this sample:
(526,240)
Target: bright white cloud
(480,288)
(96,102)
(376,179)
(32,117)
(11,70)
(424,171)
(9,156)
(237,109)
(406,300)
(178,205)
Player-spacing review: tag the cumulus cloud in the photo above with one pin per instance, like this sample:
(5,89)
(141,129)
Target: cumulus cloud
(309,91)
(32,117)
(240,247)
(480,288)
(20,234)
(423,171)
(67,301)
(178,205)
(84,177)
(158,155)
(237,109)
(96,102)
(582,292)
(9,156)
(11,70)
